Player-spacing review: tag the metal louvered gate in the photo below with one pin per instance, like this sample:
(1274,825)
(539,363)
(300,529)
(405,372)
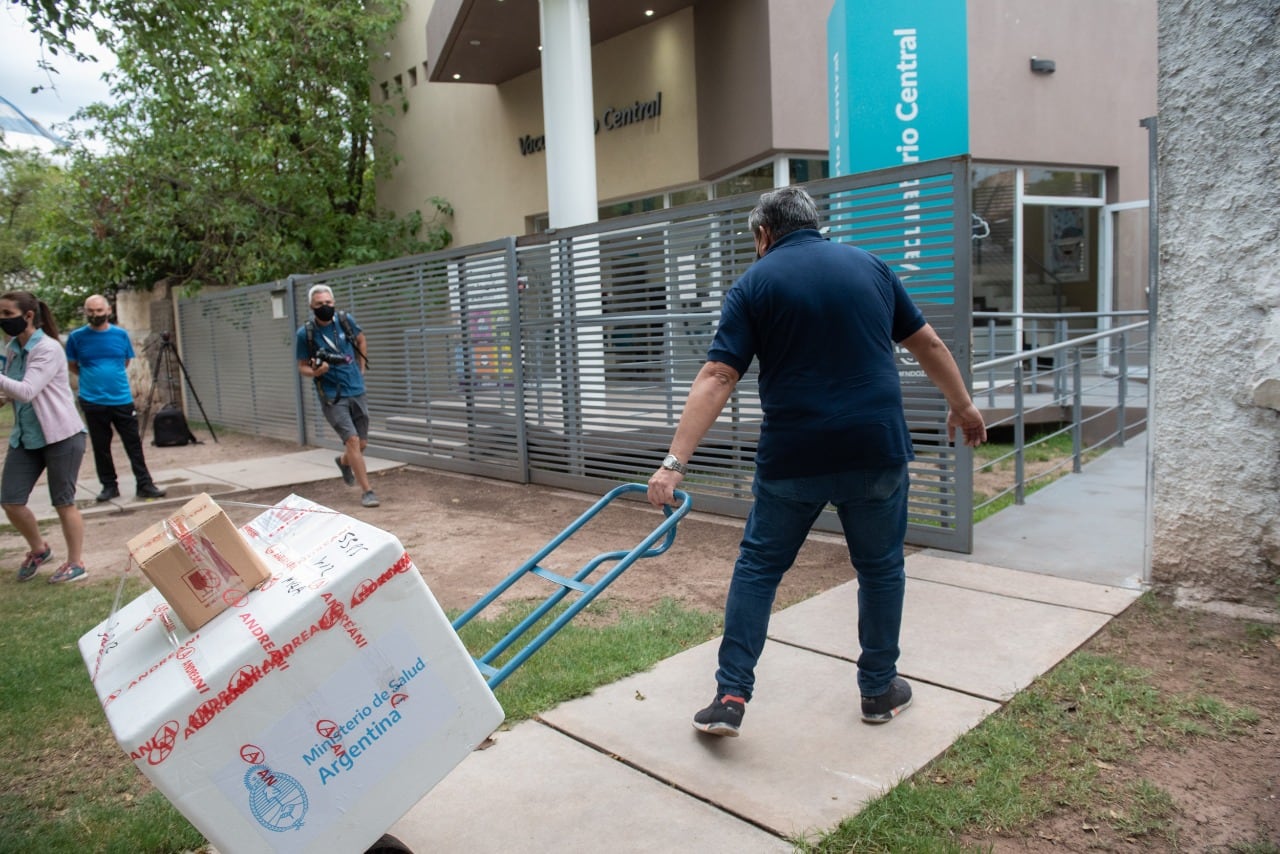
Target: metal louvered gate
(564,358)
(237,347)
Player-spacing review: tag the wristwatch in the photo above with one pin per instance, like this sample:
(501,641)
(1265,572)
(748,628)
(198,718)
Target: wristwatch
(672,463)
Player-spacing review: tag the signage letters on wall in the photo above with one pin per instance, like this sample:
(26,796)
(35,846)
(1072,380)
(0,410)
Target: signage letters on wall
(898,87)
(612,119)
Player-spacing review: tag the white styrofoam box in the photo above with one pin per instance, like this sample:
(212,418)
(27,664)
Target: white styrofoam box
(313,712)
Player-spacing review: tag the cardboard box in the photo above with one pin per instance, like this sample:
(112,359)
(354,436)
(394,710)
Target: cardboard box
(198,561)
(314,713)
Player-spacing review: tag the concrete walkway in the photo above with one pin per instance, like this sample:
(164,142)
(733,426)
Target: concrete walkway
(182,484)
(622,770)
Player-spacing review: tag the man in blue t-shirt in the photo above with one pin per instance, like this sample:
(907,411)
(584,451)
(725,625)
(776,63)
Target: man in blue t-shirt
(100,354)
(330,348)
(822,319)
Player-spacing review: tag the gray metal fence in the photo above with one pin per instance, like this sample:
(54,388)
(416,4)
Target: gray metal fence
(564,358)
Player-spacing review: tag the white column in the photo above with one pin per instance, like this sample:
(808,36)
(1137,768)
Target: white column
(568,112)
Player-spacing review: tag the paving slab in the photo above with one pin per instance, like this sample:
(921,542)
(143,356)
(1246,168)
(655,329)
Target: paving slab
(804,760)
(981,643)
(301,467)
(1038,587)
(182,484)
(537,789)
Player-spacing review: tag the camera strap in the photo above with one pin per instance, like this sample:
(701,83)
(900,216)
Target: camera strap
(311,350)
(342,318)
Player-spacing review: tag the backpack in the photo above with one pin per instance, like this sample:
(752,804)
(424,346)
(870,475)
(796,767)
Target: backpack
(345,321)
(169,428)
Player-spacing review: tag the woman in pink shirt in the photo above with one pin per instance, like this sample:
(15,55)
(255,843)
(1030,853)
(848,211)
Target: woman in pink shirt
(47,433)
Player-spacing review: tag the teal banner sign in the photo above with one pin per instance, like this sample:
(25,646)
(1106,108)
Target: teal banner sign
(898,83)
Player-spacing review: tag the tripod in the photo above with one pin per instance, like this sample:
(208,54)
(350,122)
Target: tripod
(167,355)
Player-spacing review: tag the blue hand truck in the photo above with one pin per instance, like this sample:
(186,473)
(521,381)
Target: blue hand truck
(654,544)
(657,542)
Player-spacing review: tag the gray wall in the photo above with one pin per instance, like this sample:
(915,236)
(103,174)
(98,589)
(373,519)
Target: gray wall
(1217,428)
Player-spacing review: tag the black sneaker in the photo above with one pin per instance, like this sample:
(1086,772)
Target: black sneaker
(108,493)
(150,491)
(722,717)
(884,708)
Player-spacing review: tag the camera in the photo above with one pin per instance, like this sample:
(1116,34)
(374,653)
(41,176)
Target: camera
(328,357)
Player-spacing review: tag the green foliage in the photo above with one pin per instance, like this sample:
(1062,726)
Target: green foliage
(240,149)
(29,185)
(32,187)
(57,22)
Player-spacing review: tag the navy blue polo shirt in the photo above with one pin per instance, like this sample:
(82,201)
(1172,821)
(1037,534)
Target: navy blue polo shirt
(822,319)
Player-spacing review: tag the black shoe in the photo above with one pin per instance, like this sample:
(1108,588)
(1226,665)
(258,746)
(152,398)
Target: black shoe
(884,708)
(108,493)
(348,476)
(722,717)
(150,491)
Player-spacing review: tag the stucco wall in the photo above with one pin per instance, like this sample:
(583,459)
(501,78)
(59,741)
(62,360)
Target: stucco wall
(1217,426)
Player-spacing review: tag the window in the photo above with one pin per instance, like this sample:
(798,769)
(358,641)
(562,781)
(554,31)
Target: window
(689,196)
(1054,182)
(755,180)
(648,203)
(808,170)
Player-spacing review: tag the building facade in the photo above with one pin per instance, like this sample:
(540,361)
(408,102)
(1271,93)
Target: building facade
(699,99)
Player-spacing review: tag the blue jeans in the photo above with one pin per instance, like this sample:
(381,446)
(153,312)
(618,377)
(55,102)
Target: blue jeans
(872,506)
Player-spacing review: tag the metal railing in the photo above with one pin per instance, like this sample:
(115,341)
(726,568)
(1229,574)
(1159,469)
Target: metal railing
(1091,386)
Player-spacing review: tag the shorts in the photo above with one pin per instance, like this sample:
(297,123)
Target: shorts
(349,416)
(23,467)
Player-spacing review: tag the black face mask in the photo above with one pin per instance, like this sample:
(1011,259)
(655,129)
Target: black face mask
(13,326)
(97,320)
(324,313)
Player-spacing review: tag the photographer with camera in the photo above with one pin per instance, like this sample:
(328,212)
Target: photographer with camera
(330,348)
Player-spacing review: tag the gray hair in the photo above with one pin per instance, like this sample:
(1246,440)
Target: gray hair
(318,289)
(783,211)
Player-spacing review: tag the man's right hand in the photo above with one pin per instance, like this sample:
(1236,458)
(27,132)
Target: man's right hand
(662,487)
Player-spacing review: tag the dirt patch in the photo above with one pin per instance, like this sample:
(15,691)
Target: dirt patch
(467,533)
(1225,792)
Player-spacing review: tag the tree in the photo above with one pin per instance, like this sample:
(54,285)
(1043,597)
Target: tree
(33,191)
(24,176)
(240,147)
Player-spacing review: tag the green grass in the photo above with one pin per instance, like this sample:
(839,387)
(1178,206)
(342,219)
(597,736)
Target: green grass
(602,645)
(1052,448)
(68,787)
(988,458)
(1050,748)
